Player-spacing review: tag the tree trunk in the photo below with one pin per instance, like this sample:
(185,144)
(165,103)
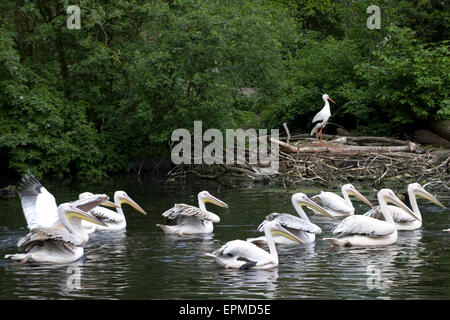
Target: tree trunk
(410,147)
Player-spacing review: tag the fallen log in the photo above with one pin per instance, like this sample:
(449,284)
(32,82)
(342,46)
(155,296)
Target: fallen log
(378,139)
(410,147)
(353,139)
(284,145)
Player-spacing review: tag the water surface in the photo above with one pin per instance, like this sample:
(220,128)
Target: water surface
(144,263)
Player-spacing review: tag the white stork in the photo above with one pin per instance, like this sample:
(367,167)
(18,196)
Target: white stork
(321,118)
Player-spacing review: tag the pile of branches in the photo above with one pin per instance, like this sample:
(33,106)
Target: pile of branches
(340,160)
(225,174)
(344,159)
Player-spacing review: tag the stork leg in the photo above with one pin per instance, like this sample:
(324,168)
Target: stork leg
(321,137)
(317,135)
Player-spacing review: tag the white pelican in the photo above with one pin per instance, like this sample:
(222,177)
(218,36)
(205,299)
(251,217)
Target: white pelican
(301,227)
(321,118)
(192,220)
(59,244)
(239,254)
(360,230)
(340,206)
(39,206)
(114,220)
(57,229)
(402,219)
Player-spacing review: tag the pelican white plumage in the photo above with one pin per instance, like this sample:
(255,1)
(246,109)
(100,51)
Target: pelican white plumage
(402,219)
(240,254)
(56,245)
(360,230)
(300,226)
(55,233)
(321,118)
(114,220)
(340,206)
(193,220)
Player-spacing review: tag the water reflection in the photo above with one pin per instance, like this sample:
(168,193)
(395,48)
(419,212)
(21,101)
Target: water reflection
(251,284)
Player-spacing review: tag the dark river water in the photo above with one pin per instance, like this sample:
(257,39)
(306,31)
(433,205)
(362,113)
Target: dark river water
(143,263)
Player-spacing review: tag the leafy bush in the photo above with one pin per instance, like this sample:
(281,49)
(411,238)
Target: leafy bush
(86,102)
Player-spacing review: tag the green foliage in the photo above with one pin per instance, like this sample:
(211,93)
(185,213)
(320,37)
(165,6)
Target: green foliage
(86,102)
(408,80)
(384,81)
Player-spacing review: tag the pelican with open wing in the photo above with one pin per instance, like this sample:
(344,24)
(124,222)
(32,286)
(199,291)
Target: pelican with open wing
(56,235)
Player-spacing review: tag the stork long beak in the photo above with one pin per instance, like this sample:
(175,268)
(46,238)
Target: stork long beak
(126,199)
(214,200)
(399,203)
(110,204)
(426,195)
(283,232)
(331,100)
(74,212)
(314,206)
(358,195)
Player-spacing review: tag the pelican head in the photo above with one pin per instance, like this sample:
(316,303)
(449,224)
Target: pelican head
(105,203)
(122,197)
(325,97)
(275,228)
(351,191)
(68,211)
(302,200)
(387,195)
(205,196)
(85,195)
(419,191)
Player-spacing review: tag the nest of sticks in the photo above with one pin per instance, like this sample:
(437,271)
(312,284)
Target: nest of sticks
(370,160)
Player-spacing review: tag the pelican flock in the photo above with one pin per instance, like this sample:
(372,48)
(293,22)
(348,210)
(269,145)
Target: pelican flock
(360,230)
(59,234)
